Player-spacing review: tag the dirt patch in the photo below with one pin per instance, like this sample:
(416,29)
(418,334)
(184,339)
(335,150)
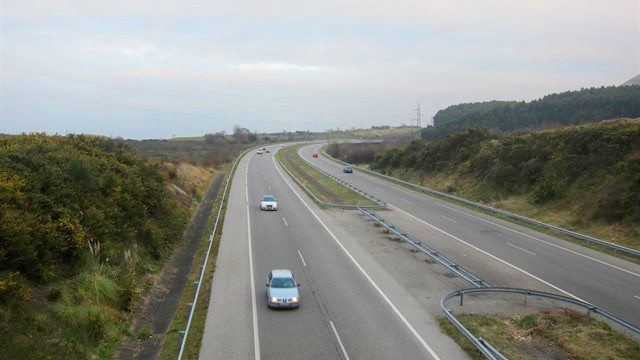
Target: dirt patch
(328,194)
(148,331)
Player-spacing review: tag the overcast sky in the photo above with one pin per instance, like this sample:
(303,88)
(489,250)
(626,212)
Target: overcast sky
(157,69)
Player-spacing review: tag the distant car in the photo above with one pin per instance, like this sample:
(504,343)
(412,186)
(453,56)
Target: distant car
(264,148)
(315,155)
(259,152)
(347,170)
(267,151)
(268,202)
(282,289)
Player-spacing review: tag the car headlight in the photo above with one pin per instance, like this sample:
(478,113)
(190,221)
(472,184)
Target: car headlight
(294,299)
(274,299)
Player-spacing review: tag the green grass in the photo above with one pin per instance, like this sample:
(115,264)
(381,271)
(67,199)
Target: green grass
(323,187)
(440,185)
(170,347)
(568,334)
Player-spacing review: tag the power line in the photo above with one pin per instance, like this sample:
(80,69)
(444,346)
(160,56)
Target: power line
(238,79)
(188,98)
(152,110)
(182,86)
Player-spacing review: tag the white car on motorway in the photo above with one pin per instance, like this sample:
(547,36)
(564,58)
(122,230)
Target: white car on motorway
(259,152)
(268,202)
(282,289)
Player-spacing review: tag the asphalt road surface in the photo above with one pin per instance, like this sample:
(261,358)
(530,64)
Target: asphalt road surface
(350,308)
(569,269)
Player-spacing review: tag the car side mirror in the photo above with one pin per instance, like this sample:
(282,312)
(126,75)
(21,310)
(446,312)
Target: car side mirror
(298,285)
(267,284)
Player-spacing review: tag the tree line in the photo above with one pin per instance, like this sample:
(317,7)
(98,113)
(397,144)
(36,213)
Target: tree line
(555,110)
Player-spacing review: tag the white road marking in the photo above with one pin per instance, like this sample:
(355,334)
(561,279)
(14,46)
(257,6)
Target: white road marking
(301,258)
(490,255)
(637,297)
(518,247)
(406,201)
(285,222)
(450,219)
(346,356)
(364,273)
(269,188)
(256,338)
(542,241)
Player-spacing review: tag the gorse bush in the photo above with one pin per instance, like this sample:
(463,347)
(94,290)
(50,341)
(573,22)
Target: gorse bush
(58,192)
(83,222)
(543,166)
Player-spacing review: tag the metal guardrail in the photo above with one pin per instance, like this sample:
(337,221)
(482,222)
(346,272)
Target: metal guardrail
(610,245)
(345,184)
(315,198)
(480,285)
(453,267)
(192,306)
(489,351)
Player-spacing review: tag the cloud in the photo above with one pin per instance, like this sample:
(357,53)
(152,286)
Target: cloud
(279,67)
(338,54)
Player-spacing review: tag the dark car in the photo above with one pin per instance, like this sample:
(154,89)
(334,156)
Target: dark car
(315,155)
(347,169)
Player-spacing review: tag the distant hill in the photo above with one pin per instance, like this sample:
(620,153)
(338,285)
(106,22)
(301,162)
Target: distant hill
(567,108)
(633,81)
(583,177)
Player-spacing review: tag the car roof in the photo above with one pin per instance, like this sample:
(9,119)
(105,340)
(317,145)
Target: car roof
(281,273)
(264,196)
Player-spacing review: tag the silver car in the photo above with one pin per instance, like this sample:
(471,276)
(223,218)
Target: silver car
(282,289)
(268,202)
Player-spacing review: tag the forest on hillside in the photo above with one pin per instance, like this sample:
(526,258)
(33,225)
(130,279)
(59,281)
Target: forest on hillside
(591,171)
(555,110)
(83,221)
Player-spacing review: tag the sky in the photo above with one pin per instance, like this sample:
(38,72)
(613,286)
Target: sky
(143,69)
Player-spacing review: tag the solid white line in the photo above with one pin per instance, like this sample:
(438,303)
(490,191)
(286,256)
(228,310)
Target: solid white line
(518,247)
(637,297)
(406,201)
(364,273)
(542,241)
(450,219)
(256,339)
(301,258)
(490,255)
(285,222)
(344,351)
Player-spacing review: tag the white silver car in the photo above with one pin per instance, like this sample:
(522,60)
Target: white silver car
(268,202)
(282,289)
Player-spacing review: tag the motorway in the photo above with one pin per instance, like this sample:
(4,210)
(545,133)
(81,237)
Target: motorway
(528,256)
(350,308)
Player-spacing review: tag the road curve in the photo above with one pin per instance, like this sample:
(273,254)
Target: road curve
(603,280)
(350,308)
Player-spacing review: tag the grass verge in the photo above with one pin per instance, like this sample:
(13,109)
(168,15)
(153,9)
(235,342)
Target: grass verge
(170,347)
(541,229)
(323,187)
(550,335)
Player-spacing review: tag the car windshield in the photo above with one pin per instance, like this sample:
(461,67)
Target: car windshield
(268,198)
(283,283)
(348,167)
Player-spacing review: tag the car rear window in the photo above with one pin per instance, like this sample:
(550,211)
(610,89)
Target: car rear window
(283,283)
(268,198)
